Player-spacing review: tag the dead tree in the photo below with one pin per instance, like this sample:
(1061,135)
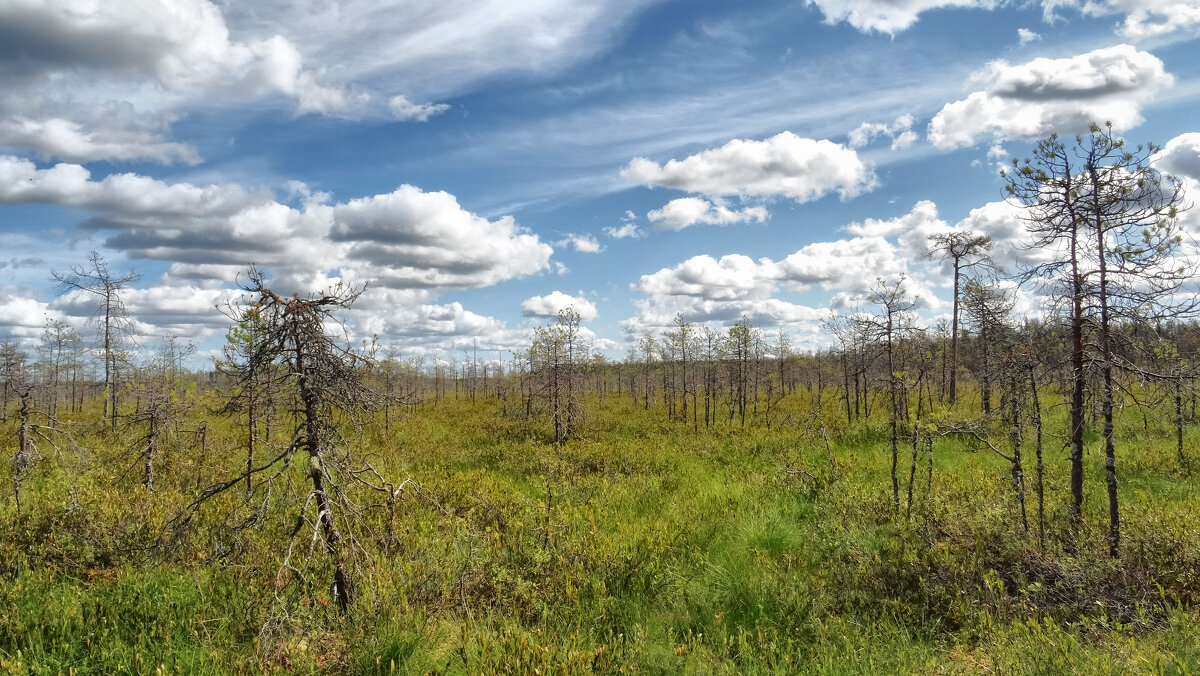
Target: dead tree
(111,316)
(893,325)
(964,250)
(12,372)
(29,434)
(287,343)
(558,357)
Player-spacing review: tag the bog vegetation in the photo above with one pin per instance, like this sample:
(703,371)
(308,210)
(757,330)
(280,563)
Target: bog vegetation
(990,495)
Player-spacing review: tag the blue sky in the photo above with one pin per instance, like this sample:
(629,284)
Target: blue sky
(482,164)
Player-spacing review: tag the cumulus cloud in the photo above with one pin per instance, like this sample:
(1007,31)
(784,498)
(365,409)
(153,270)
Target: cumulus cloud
(910,231)
(74,142)
(133,196)
(1143,18)
(1004,223)
(900,132)
(581,242)
(718,291)
(182,44)
(71,64)
(1026,36)
(403,109)
(731,277)
(22,317)
(163,309)
(412,238)
(440,330)
(889,17)
(722,290)
(1181,156)
(1045,96)
(626,231)
(685,211)
(549,305)
(784,165)
(408,238)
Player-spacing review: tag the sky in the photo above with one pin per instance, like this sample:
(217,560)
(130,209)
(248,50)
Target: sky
(482,164)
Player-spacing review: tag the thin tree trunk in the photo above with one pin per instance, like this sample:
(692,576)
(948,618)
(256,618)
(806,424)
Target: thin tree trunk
(1036,414)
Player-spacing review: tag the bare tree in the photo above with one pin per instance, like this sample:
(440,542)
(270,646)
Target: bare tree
(558,358)
(159,406)
(12,372)
(288,343)
(964,250)
(893,323)
(57,350)
(112,317)
(987,307)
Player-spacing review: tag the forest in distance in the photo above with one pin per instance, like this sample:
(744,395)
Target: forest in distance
(991,494)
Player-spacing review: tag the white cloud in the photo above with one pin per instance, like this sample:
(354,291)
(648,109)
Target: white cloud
(77,57)
(411,238)
(1026,36)
(186,307)
(73,142)
(23,317)
(1003,222)
(446,329)
(134,196)
(1180,156)
(181,44)
(1045,96)
(404,239)
(435,49)
(549,305)
(784,165)
(731,277)
(163,309)
(714,291)
(345,58)
(626,231)
(845,263)
(1143,18)
(890,16)
(900,131)
(581,242)
(911,231)
(904,139)
(404,109)
(722,290)
(685,211)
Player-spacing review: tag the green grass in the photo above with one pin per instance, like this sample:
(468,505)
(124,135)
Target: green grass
(663,551)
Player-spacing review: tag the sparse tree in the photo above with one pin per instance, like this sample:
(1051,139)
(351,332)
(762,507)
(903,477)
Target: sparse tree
(893,323)
(987,307)
(111,317)
(964,250)
(1112,217)
(558,357)
(12,372)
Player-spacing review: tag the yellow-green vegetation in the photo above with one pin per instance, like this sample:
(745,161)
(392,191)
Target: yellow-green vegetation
(641,547)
